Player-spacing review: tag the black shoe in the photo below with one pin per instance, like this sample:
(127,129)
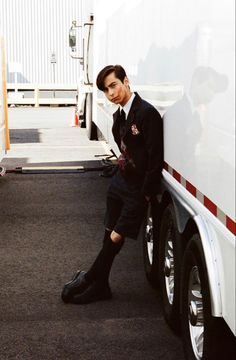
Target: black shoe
(94,292)
(75,286)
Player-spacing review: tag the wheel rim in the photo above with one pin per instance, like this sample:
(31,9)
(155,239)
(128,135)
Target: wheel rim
(149,239)
(196,319)
(169,268)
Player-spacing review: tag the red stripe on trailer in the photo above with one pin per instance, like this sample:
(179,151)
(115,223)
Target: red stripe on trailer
(166,167)
(177,175)
(231,225)
(191,188)
(210,205)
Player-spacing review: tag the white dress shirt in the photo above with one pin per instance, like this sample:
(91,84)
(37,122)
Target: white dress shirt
(127,106)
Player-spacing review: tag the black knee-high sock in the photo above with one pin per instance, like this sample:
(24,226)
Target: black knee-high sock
(101,267)
(107,235)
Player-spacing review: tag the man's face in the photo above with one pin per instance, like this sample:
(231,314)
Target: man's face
(116,91)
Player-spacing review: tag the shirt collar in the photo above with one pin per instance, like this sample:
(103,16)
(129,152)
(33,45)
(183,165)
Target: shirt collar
(128,105)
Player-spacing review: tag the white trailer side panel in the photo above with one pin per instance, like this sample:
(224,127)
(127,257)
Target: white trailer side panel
(158,44)
(168,45)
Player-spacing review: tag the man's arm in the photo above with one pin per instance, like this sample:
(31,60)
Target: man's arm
(153,137)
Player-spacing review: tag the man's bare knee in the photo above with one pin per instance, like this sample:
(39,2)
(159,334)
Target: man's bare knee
(115,237)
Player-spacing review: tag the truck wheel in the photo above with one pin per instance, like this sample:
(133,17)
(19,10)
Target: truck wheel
(90,126)
(202,334)
(150,246)
(170,257)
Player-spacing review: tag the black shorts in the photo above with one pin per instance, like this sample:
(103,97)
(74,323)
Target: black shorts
(125,207)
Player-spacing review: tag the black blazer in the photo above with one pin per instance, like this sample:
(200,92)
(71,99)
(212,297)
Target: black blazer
(143,138)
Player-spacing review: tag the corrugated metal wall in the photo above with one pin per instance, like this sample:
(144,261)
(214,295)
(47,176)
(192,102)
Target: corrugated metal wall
(33,30)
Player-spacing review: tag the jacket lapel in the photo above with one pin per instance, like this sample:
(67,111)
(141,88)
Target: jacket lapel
(131,116)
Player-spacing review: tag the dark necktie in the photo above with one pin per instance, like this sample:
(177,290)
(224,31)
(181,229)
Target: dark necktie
(122,121)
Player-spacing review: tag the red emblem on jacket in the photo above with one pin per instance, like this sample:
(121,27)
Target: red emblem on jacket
(134,130)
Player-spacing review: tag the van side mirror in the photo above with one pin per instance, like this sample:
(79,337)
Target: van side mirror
(72,36)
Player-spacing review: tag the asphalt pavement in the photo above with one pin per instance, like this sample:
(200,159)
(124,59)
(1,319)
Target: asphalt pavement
(51,225)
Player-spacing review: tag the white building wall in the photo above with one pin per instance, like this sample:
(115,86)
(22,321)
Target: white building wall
(33,30)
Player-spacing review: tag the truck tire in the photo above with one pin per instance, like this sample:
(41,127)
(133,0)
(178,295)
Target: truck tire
(90,126)
(170,259)
(203,335)
(150,246)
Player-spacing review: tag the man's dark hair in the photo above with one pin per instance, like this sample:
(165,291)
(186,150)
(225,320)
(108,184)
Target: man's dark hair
(107,70)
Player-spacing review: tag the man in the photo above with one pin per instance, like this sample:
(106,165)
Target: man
(137,130)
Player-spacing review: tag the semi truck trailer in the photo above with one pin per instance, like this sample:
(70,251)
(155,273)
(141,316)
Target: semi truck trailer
(179,56)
